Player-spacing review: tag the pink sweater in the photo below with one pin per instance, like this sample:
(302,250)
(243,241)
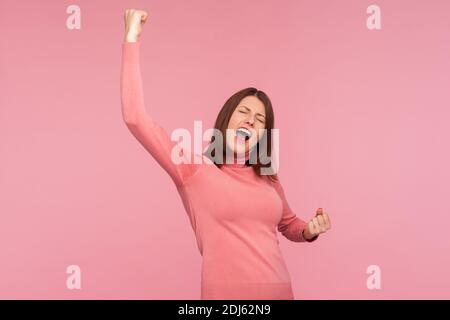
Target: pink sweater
(234,213)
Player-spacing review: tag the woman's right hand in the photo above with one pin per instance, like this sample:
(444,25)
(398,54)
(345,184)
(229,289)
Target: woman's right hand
(134,20)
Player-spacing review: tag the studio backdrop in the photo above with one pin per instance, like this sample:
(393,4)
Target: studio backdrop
(360,91)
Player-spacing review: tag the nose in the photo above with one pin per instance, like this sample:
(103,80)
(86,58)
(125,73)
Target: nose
(250,119)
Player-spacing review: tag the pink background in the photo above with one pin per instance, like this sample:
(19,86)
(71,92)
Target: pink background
(363,118)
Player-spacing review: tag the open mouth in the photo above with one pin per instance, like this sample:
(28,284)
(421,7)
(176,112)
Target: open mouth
(243,133)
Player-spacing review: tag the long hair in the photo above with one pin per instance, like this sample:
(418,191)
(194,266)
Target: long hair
(223,118)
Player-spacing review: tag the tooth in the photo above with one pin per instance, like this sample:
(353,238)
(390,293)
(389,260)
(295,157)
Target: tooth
(246,131)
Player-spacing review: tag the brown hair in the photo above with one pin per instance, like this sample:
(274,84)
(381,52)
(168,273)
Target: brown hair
(223,118)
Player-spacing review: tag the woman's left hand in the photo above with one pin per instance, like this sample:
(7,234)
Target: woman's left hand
(317,225)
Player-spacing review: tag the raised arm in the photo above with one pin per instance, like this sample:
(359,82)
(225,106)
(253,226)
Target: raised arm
(150,134)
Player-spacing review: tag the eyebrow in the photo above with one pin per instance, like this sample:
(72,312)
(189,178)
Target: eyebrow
(248,109)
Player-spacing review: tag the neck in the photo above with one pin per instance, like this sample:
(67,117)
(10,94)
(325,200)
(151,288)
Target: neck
(241,161)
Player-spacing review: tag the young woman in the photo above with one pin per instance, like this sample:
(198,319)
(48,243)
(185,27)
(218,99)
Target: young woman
(233,209)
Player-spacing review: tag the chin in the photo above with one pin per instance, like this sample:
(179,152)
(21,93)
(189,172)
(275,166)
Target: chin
(241,151)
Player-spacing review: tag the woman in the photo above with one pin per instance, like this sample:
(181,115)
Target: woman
(233,210)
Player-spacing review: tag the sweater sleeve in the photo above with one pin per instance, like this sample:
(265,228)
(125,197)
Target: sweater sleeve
(149,133)
(290,225)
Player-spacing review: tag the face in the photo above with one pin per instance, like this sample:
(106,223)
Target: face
(245,122)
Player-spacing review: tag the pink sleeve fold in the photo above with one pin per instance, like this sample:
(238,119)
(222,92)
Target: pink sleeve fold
(290,225)
(149,133)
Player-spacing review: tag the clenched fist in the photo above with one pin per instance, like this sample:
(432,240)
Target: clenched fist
(317,225)
(134,20)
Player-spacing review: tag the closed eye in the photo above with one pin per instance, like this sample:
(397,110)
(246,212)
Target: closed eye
(246,110)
